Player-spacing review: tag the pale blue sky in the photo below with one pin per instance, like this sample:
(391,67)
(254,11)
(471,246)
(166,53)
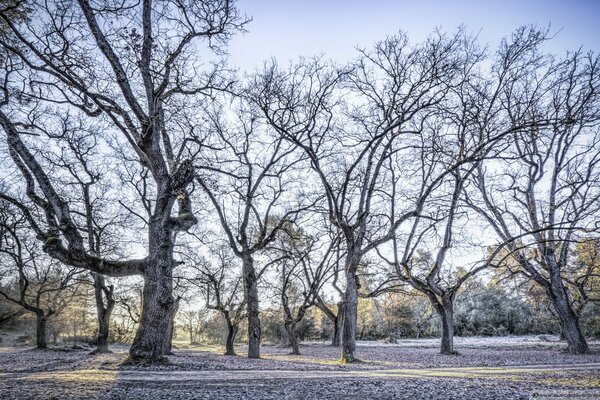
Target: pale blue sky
(286,29)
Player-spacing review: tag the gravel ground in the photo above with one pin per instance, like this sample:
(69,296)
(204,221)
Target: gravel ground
(411,370)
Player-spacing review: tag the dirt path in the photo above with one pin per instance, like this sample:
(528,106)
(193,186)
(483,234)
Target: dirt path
(178,376)
(543,381)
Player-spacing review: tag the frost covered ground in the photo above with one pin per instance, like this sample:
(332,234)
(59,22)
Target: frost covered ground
(487,368)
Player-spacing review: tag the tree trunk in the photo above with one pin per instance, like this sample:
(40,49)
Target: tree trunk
(338,320)
(251,293)
(290,328)
(232,330)
(103,311)
(569,322)
(335,336)
(338,324)
(349,316)
(40,331)
(157,299)
(447,321)
(168,349)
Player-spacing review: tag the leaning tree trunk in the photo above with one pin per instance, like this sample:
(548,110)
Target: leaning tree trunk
(157,298)
(40,331)
(232,330)
(290,328)
(103,311)
(569,322)
(350,316)
(337,320)
(251,293)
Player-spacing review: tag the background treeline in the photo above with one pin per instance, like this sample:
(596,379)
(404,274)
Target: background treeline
(483,309)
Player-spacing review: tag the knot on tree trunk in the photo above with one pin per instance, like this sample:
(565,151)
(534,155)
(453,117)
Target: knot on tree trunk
(183,176)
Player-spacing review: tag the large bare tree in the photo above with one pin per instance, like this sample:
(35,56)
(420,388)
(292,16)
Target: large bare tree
(137,68)
(544,195)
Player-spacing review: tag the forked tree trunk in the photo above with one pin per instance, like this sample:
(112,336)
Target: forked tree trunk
(40,331)
(157,298)
(569,322)
(251,293)
(232,330)
(350,316)
(290,328)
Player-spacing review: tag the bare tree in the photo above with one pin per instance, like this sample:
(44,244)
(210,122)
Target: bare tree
(305,267)
(544,196)
(252,184)
(220,282)
(137,69)
(392,94)
(430,274)
(42,286)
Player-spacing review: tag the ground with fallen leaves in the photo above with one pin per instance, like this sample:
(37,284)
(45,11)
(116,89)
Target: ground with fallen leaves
(486,368)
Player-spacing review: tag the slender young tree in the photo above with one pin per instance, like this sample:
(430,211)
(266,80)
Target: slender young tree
(220,282)
(305,268)
(252,184)
(42,286)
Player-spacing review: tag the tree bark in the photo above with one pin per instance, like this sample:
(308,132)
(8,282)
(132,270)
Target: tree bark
(168,349)
(337,328)
(40,331)
(232,330)
(446,312)
(349,316)
(252,304)
(103,311)
(290,328)
(569,322)
(338,325)
(157,298)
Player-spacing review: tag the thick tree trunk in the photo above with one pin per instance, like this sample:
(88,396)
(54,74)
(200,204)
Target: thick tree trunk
(157,298)
(251,293)
(445,310)
(103,311)
(349,316)
(40,331)
(232,331)
(569,322)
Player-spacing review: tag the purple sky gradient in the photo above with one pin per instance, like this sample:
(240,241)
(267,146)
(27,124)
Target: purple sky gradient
(286,29)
